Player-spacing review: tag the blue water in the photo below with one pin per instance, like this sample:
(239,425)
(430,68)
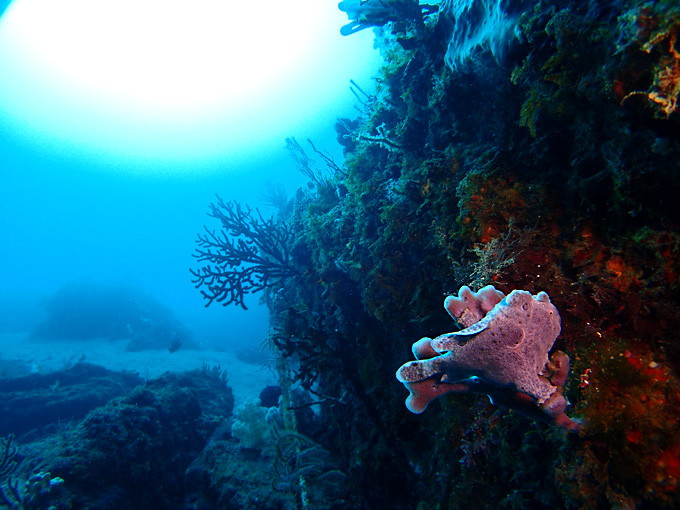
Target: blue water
(72,213)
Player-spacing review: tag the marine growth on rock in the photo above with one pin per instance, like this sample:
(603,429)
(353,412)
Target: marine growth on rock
(503,352)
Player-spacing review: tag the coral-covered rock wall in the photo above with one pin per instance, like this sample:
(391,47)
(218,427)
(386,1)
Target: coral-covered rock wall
(552,169)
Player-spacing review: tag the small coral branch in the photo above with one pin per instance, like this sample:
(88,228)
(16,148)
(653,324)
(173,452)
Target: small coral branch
(9,492)
(306,166)
(246,256)
(382,138)
(8,453)
(665,90)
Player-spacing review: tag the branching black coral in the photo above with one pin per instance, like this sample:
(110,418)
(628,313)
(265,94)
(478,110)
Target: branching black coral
(246,256)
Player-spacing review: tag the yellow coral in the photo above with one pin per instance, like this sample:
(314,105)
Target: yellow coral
(666,87)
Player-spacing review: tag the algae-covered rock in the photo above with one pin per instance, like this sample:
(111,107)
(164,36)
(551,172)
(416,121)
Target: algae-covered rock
(133,451)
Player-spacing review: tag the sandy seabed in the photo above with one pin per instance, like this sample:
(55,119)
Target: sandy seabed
(20,354)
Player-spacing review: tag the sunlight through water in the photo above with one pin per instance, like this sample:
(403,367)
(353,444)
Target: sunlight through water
(171,80)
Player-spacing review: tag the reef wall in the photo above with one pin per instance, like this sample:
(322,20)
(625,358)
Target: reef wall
(550,166)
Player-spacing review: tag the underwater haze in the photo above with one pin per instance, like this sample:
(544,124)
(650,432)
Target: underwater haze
(120,121)
(459,289)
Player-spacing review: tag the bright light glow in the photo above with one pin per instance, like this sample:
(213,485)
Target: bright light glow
(172,79)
